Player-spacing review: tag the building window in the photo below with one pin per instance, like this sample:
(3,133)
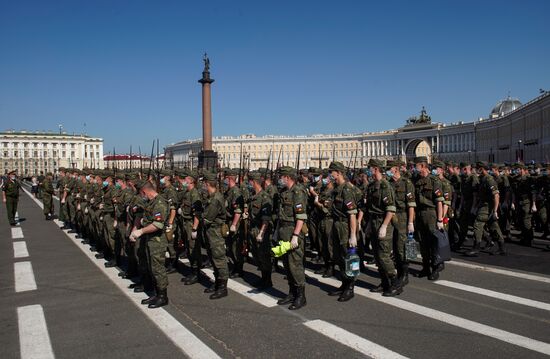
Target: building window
(63,154)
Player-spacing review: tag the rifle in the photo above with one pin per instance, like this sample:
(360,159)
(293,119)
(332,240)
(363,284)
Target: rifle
(298,160)
(151,160)
(279,158)
(241,165)
(320,163)
(158,167)
(114,163)
(268,161)
(140,163)
(130,165)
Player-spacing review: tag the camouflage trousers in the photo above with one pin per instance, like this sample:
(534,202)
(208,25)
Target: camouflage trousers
(156,250)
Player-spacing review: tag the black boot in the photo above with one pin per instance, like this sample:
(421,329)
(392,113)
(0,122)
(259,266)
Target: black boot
(300,299)
(338,292)
(265,282)
(474,251)
(213,287)
(110,264)
(329,272)
(221,291)
(501,248)
(192,278)
(393,289)
(404,279)
(161,299)
(289,298)
(237,271)
(151,299)
(348,293)
(378,289)
(171,266)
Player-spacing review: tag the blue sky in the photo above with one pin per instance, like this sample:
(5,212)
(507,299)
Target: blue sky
(129,69)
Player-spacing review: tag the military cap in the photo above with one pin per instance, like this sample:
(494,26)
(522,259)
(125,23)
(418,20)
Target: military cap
(373,162)
(395,163)
(519,166)
(12,172)
(287,171)
(49,174)
(315,171)
(464,164)
(262,170)
(140,183)
(438,164)
(365,170)
(231,172)
(210,176)
(120,176)
(255,176)
(450,164)
(304,172)
(337,166)
(482,164)
(192,174)
(166,172)
(420,159)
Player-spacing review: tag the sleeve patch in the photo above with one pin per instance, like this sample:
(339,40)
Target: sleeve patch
(438,192)
(158,216)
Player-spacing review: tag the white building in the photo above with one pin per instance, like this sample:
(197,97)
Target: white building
(35,152)
(511,132)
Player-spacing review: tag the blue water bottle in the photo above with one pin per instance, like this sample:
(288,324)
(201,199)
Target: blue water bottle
(352,263)
(411,251)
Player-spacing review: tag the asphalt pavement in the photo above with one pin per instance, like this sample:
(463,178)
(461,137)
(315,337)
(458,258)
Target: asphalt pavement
(59,301)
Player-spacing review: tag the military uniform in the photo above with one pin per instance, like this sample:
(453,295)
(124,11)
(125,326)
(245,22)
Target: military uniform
(260,208)
(404,200)
(428,194)
(191,208)
(234,204)
(171,196)
(525,191)
(47,196)
(292,208)
(469,188)
(322,210)
(11,190)
(380,202)
(485,217)
(214,216)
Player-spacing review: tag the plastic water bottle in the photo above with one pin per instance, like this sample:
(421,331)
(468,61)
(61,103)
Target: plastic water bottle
(411,251)
(352,263)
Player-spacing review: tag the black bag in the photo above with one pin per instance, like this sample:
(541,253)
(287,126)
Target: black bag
(442,251)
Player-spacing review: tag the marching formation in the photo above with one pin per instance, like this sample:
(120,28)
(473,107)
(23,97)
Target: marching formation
(347,219)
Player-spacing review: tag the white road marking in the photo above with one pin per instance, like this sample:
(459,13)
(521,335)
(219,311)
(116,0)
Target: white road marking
(493,294)
(16,233)
(509,273)
(450,319)
(351,340)
(24,277)
(34,340)
(259,297)
(20,249)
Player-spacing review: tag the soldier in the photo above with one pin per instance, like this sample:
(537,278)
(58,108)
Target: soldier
(344,228)
(10,196)
(152,229)
(525,201)
(191,212)
(171,196)
(107,219)
(487,206)
(429,216)
(381,207)
(322,210)
(456,182)
(234,203)
(47,196)
(314,216)
(260,208)
(214,216)
(469,182)
(403,222)
(291,219)
(61,183)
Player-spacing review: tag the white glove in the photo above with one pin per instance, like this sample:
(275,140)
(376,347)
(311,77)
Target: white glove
(245,215)
(352,241)
(141,221)
(180,212)
(194,235)
(495,215)
(260,237)
(168,228)
(101,218)
(294,242)
(382,231)
(513,206)
(92,200)
(115,223)
(86,210)
(78,207)
(63,201)
(410,227)
(534,208)
(85,196)
(136,234)
(233,228)
(440,226)
(78,195)
(101,206)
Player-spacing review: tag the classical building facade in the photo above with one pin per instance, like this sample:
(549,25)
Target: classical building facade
(35,152)
(511,132)
(127,161)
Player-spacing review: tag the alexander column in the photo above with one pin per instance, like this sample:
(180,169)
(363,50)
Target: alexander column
(208,159)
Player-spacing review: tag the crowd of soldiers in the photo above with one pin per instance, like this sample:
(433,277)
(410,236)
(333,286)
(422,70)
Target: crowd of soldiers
(144,223)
